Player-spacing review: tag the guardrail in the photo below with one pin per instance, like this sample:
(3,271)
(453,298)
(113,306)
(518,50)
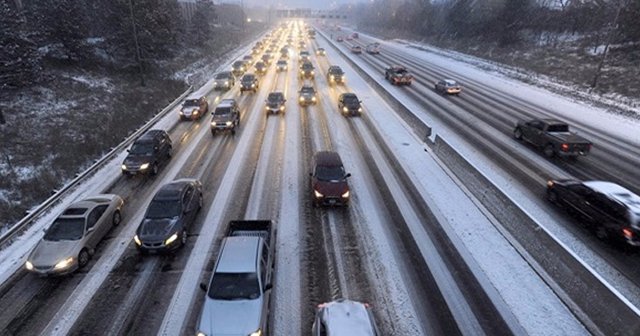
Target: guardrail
(44,206)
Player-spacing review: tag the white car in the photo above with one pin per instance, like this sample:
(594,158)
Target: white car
(344,317)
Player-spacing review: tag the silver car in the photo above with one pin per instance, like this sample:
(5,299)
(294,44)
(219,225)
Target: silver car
(72,238)
(344,317)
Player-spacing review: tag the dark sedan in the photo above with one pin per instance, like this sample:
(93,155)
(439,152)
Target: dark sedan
(169,216)
(349,104)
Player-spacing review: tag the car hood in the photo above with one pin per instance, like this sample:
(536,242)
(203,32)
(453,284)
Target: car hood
(352,106)
(246,83)
(189,110)
(234,317)
(49,253)
(157,228)
(221,117)
(274,105)
(136,160)
(331,188)
(307,95)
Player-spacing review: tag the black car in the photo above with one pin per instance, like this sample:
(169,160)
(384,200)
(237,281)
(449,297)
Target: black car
(349,104)
(249,82)
(147,153)
(610,210)
(307,70)
(275,102)
(335,75)
(169,216)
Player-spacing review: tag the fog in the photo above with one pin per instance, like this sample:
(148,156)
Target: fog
(293,4)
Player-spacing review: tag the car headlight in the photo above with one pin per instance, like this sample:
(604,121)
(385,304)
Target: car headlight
(345,109)
(332,78)
(253,85)
(256,333)
(137,240)
(196,112)
(359,109)
(213,123)
(228,123)
(181,112)
(28,265)
(301,99)
(124,167)
(144,166)
(318,194)
(313,98)
(346,194)
(201,333)
(64,263)
(171,239)
(313,73)
(282,108)
(226,83)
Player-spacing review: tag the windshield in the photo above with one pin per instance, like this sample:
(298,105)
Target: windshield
(307,90)
(238,64)
(274,98)
(329,173)
(558,128)
(191,102)
(65,229)
(222,111)
(163,209)
(142,148)
(351,99)
(307,66)
(336,71)
(247,79)
(234,286)
(221,76)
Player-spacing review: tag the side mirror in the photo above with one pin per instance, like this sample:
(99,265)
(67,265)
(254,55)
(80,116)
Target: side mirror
(203,286)
(268,286)
(91,229)
(348,175)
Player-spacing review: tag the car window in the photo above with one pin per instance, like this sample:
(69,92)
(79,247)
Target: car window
(188,195)
(141,148)
(230,286)
(537,125)
(222,111)
(163,209)
(95,215)
(65,229)
(329,173)
(580,190)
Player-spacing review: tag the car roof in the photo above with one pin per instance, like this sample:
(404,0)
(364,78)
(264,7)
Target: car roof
(277,93)
(349,95)
(227,103)
(450,81)
(224,74)
(328,158)
(616,192)
(170,191)
(248,76)
(238,255)
(346,317)
(151,135)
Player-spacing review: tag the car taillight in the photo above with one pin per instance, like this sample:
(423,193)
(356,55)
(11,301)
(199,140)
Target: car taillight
(565,147)
(628,233)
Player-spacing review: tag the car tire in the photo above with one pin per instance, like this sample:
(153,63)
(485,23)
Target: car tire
(183,238)
(83,258)
(154,169)
(233,131)
(169,152)
(517,133)
(200,202)
(213,132)
(549,151)
(552,196)
(117,218)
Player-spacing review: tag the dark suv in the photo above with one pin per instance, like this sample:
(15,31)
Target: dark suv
(307,70)
(609,209)
(349,104)
(335,75)
(147,153)
(226,117)
(249,82)
(328,180)
(169,216)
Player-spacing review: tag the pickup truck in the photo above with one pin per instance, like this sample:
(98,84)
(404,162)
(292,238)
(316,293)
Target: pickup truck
(553,136)
(398,75)
(237,300)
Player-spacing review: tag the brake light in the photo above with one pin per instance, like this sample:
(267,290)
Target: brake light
(565,147)
(628,233)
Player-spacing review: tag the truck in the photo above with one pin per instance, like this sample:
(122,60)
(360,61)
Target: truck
(398,75)
(238,296)
(553,136)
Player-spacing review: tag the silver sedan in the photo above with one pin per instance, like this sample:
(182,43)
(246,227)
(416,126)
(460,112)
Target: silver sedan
(71,239)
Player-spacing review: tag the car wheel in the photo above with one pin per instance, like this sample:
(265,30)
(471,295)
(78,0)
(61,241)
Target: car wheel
(602,233)
(552,196)
(549,151)
(169,152)
(154,169)
(183,238)
(83,258)
(517,133)
(117,218)
(200,202)
(233,131)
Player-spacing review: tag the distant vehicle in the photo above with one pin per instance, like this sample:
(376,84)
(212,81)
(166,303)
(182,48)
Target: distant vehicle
(238,298)
(339,39)
(307,95)
(335,75)
(553,136)
(321,52)
(238,68)
(275,102)
(448,86)
(328,180)
(249,82)
(284,53)
(307,70)
(398,75)
(147,153)
(344,317)
(226,117)
(281,65)
(312,33)
(373,48)
(610,210)
(224,80)
(266,58)
(304,56)
(194,107)
(70,241)
(355,35)
(169,217)
(261,68)
(349,104)
(349,38)
(248,59)
(356,49)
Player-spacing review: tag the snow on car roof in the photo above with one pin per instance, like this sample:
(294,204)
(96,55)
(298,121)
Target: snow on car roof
(450,81)
(619,193)
(347,317)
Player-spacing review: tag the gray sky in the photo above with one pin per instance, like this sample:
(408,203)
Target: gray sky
(313,4)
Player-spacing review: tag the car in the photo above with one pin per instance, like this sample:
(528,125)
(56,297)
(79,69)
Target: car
(70,241)
(275,102)
(339,39)
(335,75)
(304,56)
(344,317)
(349,38)
(329,186)
(249,82)
(261,68)
(398,75)
(248,59)
(224,80)
(266,58)
(147,153)
(356,49)
(321,52)
(373,48)
(194,107)
(355,35)
(169,217)
(284,53)
(349,104)
(281,65)
(553,137)
(238,68)
(448,86)
(225,117)
(307,95)
(307,70)
(610,210)
(238,296)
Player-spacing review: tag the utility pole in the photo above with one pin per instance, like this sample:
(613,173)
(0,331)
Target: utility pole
(135,39)
(610,37)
